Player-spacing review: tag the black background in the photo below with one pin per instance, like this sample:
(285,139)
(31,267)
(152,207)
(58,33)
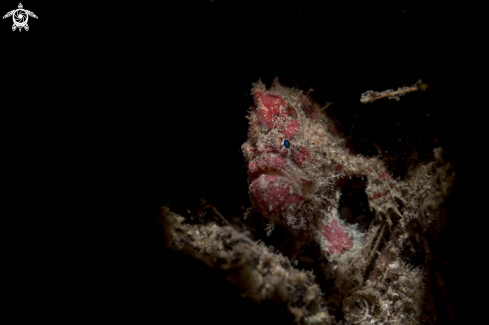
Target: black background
(107,119)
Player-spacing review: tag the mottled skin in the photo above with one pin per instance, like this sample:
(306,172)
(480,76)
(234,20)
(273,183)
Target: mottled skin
(300,186)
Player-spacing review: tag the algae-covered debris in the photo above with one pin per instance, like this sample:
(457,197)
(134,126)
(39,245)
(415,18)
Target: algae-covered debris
(256,272)
(371,96)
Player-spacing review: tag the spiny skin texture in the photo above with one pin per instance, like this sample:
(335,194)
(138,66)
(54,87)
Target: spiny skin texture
(299,186)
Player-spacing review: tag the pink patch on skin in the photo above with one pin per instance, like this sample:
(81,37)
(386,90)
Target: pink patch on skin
(270,164)
(265,117)
(291,129)
(291,112)
(332,130)
(304,151)
(339,241)
(385,175)
(272,196)
(276,162)
(271,107)
(251,132)
(279,126)
(309,109)
(270,110)
(338,167)
(301,156)
(379,195)
(253,168)
(267,149)
(271,102)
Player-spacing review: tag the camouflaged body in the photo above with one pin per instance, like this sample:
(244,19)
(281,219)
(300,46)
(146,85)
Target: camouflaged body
(380,274)
(299,186)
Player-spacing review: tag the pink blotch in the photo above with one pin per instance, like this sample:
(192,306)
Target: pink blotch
(291,112)
(276,162)
(304,151)
(385,174)
(332,129)
(253,168)
(251,133)
(272,197)
(271,110)
(301,156)
(269,164)
(265,117)
(291,128)
(272,102)
(309,109)
(379,195)
(337,237)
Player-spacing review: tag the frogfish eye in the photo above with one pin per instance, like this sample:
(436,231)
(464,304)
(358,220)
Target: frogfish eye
(286,143)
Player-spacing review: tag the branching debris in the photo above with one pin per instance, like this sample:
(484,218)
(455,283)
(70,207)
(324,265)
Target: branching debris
(258,273)
(371,96)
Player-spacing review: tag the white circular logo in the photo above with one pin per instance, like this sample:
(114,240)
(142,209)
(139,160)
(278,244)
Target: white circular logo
(20,17)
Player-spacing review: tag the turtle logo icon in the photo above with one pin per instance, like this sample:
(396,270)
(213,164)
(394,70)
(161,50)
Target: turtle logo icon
(20,17)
